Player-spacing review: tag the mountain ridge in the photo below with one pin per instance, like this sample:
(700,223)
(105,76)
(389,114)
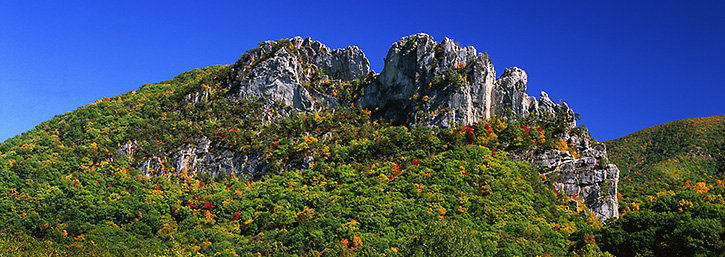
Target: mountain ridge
(423,83)
(434,84)
(207,145)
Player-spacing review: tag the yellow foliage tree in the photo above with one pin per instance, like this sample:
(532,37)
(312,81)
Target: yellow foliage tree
(356,242)
(700,187)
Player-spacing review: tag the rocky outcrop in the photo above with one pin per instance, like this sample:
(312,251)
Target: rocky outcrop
(277,72)
(431,83)
(440,84)
(423,82)
(587,180)
(510,94)
(201,157)
(278,78)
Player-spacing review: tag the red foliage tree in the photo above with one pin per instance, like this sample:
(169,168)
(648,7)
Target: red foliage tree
(207,205)
(236,216)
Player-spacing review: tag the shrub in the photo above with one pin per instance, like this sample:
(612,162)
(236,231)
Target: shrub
(454,78)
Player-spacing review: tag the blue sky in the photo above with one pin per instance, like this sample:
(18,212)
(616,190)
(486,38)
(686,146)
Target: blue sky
(624,65)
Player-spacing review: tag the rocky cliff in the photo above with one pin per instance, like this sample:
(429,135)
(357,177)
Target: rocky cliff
(438,84)
(423,82)
(587,178)
(282,73)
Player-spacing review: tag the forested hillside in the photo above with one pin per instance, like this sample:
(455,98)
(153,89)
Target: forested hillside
(666,156)
(332,183)
(671,190)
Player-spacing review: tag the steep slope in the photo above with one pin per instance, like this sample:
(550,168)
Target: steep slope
(438,84)
(299,149)
(428,83)
(665,157)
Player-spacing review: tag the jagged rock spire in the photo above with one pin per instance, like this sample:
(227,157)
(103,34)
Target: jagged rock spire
(438,84)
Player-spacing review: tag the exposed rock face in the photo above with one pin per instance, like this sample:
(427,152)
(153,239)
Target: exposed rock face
(589,180)
(344,64)
(435,84)
(281,76)
(510,93)
(128,148)
(278,78)
(203,158)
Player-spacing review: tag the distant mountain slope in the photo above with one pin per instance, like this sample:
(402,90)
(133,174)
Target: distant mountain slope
(666,156)
(671,190)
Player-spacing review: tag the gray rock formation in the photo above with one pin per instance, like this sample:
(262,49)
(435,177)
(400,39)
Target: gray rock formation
(201,157)
(277,72)
(510,93)
(423,82)
(589,179)
(433,84)
(128,148)
(278,78)
(441,84)
(344,64)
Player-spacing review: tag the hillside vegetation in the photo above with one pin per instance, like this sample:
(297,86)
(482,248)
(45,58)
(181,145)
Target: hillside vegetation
(671,189)
(666,156)
(339,183)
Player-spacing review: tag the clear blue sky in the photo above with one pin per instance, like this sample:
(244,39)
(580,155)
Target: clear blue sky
(624,65)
